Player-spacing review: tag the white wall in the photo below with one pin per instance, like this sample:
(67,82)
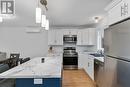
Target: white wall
(16,40)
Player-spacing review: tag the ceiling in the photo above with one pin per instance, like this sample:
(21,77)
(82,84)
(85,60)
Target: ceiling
(60,13)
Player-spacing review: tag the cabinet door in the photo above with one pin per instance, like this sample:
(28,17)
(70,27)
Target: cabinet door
(66,32)
(82,61)
(85,37)
(51,37)
(73,31)
(90,67)
(115,13)
(59,37)
(92,36)
(79,37)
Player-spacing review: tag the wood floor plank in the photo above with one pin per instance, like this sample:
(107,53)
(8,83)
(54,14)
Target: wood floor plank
(76,78)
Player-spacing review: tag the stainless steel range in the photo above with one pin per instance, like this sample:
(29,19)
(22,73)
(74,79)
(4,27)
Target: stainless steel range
(70,58)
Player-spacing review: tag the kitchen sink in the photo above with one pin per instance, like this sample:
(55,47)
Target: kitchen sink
(97,55)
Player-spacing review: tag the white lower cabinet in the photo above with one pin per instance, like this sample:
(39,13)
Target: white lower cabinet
(86,62)
(82,61)
(90,67)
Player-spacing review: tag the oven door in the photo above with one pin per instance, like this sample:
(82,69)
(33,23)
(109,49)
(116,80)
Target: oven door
(70,62)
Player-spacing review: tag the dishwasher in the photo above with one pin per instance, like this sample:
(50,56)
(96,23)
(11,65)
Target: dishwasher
(98,72)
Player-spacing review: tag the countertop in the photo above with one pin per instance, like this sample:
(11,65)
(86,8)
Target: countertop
(97,58)
(51,68)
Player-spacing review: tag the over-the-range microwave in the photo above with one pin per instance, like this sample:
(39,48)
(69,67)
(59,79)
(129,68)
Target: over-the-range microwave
(70,38)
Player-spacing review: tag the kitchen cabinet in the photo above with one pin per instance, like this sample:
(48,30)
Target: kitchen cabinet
(125,10)
(69,32)
(92,36)
(59,37)
(90,67)
(114,14)
(82,61)
(86,62)
(51,37)
(118,10)
(86,36)
(55,37)
(79,37)
(47,82)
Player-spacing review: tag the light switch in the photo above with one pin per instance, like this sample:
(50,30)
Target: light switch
(38,81)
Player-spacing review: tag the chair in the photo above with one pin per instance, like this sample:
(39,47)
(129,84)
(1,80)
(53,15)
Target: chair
(14,57)
(4,82)
(4,67)
(24,60)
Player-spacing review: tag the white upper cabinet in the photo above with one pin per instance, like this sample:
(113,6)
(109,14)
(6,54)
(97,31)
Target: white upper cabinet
(55,37)
(127,8)
(86,36)
(51,37)
(69,32)
(114,14)
(59,37)
(79,37)
(73,31)
(118,10)
(92,36)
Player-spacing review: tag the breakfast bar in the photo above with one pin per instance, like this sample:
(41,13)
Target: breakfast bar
(37,73)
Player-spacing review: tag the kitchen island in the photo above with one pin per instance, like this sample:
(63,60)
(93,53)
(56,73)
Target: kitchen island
(34,73)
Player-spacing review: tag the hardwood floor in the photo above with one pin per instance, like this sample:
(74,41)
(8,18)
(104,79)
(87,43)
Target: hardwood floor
(76,78)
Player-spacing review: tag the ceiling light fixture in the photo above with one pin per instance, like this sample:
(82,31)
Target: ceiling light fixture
(97,19)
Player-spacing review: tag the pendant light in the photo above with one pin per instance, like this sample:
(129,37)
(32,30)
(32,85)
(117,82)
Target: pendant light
(47,25)
(38,14)
(43,21)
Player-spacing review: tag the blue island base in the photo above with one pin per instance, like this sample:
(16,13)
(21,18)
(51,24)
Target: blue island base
(46,82)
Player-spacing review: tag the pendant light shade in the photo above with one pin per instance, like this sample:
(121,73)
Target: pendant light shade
(38,15)
(43,24)
(47,25)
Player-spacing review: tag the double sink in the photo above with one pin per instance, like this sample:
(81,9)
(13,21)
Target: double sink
(97,55)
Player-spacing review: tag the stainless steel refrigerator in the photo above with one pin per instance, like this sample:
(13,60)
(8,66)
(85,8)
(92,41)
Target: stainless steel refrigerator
(116,72)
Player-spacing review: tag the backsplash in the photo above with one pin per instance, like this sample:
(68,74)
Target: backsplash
(79,49)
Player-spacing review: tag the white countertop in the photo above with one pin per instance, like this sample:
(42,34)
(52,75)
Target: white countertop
(51,68)
(99,58)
